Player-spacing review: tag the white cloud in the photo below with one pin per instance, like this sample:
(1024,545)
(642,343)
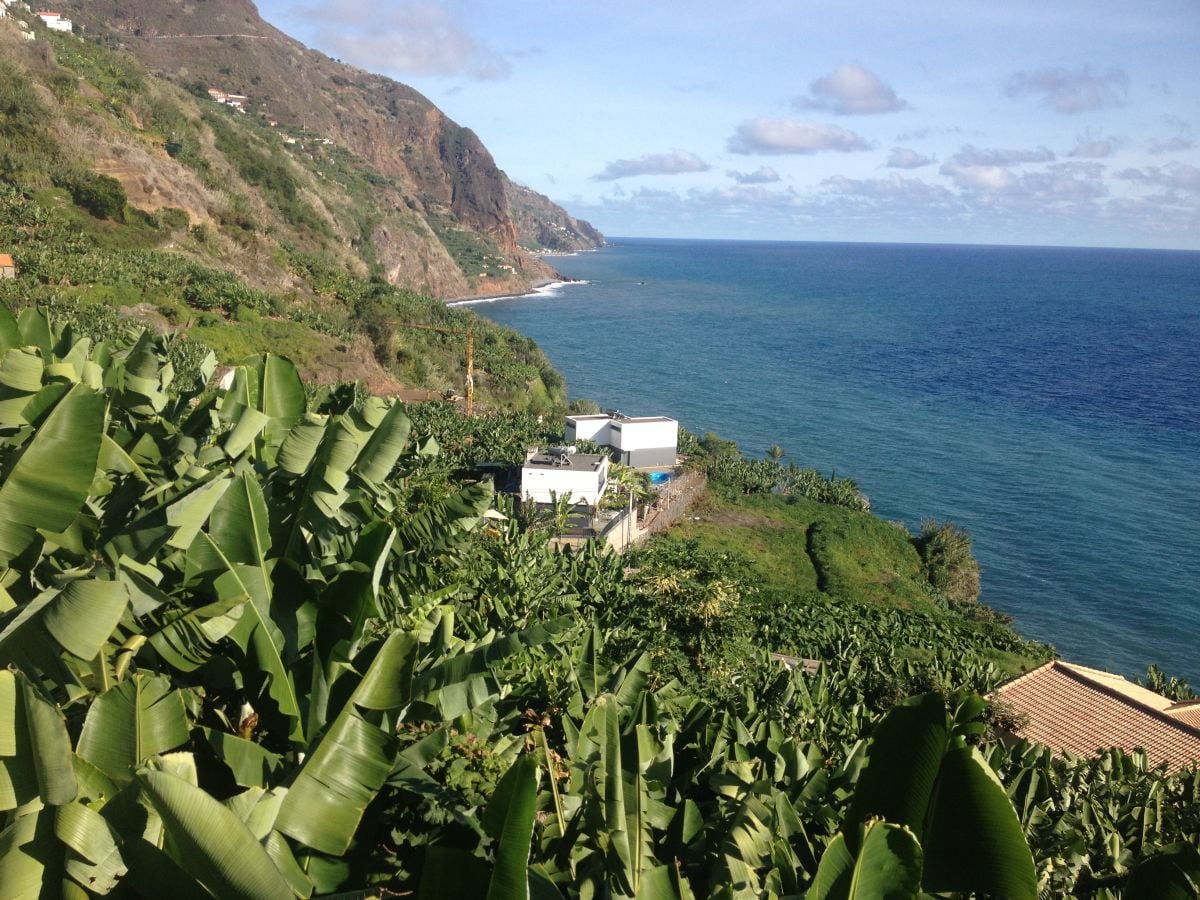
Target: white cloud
(677,162)
(851,90)
(1071,91)
(904,158)
(1093,146)
(969,155)
(1174,176)
(405,39)
(1067,202)
(761,175)
(783,136)
(1176,144)
(895,193)
(979,177)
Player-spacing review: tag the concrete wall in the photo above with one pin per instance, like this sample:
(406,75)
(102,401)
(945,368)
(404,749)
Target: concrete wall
(643,434)
(588,428)
(538,483)
(649,458)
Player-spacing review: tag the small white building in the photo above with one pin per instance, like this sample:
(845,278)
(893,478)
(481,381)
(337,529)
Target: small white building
(55,21)
(639,441)
(560,473)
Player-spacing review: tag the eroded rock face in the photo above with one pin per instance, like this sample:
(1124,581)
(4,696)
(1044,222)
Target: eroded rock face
(448,178)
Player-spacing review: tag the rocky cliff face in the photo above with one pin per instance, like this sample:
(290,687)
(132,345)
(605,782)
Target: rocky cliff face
(543,226)
(456,204)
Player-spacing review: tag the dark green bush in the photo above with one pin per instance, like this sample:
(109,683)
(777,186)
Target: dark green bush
(101,195)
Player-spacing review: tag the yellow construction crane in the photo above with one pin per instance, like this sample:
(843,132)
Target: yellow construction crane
(469,331)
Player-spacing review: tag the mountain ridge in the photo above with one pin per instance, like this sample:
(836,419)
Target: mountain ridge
(443,174)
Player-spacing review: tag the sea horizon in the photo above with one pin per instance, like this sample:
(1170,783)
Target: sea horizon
(1022,403)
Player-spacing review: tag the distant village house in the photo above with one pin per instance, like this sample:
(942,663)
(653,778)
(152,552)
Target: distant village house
(8,268)
(237,101)
(55,21)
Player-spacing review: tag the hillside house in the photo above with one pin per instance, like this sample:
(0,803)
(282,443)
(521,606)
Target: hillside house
(644,442)
(55,21)
(560,473)
(8,268)
(1074,709)
(237,101)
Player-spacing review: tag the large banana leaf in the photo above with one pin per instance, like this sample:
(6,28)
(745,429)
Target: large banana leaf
(49,482)
(973,841)
(27,849)
(353,759)
(139,718)
(383,450)
(35,749)
(509,819)
(904,757)
(84,615)
(35,329)
(887,867)
(1173,874)
(236,545)
(280,393)
(10,332)
(21,373)
(211,842)
(920,777)
(95,859)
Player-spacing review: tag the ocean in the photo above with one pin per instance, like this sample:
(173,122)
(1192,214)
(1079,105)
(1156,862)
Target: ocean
(1046,399)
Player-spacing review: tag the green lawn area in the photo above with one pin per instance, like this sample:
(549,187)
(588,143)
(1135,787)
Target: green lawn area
(799,544)
(833,568)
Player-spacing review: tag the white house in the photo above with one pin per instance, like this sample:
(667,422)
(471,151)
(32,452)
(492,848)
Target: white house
(638,441)
(559,473)
(55,21)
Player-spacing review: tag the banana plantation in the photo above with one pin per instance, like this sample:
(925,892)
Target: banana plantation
(264,643)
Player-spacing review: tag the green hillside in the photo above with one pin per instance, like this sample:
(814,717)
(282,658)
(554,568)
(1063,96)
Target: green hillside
(123,193)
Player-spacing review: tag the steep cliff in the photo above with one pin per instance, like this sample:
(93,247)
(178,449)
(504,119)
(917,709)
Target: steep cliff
(437,195)
(542,225)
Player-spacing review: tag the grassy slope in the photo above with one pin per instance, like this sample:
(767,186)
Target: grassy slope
(818,557)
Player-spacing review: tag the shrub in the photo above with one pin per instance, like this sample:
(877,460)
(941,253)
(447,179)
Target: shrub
(173,218)
(101,195)
(950,567)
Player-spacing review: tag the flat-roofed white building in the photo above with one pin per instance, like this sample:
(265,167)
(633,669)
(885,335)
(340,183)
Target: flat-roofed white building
(55,21)
(640,441)
(582,476)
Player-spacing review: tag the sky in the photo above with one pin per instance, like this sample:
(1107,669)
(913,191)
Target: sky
(999,122)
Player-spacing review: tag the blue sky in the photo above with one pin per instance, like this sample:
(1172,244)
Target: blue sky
(1005,121)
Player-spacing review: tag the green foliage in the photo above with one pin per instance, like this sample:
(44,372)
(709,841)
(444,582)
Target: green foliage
(950,567)
(728,468)
(267,167)
(101,195)
(114,75)
(28,149)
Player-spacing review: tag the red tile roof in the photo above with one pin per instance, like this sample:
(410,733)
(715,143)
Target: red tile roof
(1080,710)
(6,260)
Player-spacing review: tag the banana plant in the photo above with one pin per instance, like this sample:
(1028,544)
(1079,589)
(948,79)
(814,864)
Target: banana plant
(942,808)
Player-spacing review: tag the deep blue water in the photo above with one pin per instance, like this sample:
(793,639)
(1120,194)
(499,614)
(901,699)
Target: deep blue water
(1047,399)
